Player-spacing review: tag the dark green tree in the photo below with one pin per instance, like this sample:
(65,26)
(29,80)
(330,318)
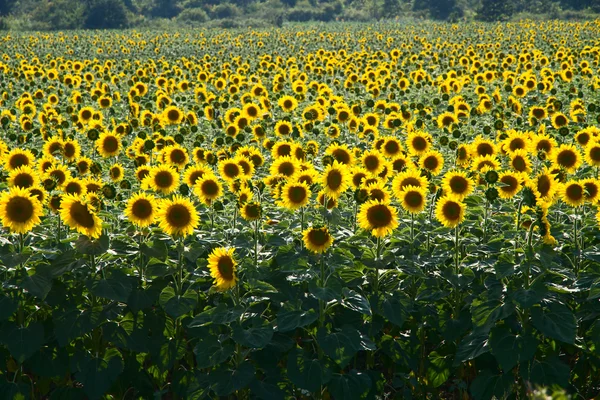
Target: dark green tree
(495,10)
(106,14)
(6,6)
(166,8)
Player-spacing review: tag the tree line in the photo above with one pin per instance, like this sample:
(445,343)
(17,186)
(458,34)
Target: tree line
(116,14)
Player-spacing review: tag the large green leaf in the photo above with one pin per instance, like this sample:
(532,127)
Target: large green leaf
(355,302)
(306,373)
(547,371)
(175,304)
(488,385)
(73,323)
(210,352)
(289,320)
(221,314)
(354,385)
(395,311)
(23,342)
(98,375)
(95,247)
(556,321)
(472,346)
(340,346)
(8,305)
(438,370)
(112,289)
(510,349)
(227,381)
(256,336)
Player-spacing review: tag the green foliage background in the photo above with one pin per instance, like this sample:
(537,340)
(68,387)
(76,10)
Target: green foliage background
(114,14)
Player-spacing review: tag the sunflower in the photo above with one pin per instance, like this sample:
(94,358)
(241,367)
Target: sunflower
(176,156)
(559,120)
(59,173)
(177,216)
(286,166)
(208,188)
(317,239)
(485,163)
(283,129)
(458,184)
(295,195)
(108,144)
(83,165)
(433,161)
(20,210)
(378,191)
(446,120)
(163,179)
(53,147)
(450,211)
(251,211)
(591,188)
(391,147)
(141,209)
(230,170)
(23,177)
(409,177)
(341,153)
(509,184)
(541,142)
(244,195)
(377,217)
(172,115)
(418,142)
(85,115)
(572,193)
(463,155)
(519,161)
(335,180)
(17,158)
(223,268)
(331,202)
(483,147)
(246,165)
(75,186)
(592,154)
(372,161)
(78,214)
(116,172)
(287,103)
(544,185)
(567,157)
(193,173)
(413,199)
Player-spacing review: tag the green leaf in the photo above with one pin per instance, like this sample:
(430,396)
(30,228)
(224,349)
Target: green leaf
(157,249)
(95,247)
(488,385)
(306,373)
(227,381)
(527,298)
(73,323)
(169,352)
(355,302)
(210,352)
(38,284)
(510,349)
(333,290)
(472,346)
(556,321)
(438,370)
(8,306)
(112,289)
(395,311)
(289,320)
(351,386)
(264,390)
(257,336)
(67,393)
(594,290)
(14,391)
(176,305)
(140,299)
(98,375)
(485,312)
(220,314)
(22,343)
(340,346)
(157,269)
(547,371)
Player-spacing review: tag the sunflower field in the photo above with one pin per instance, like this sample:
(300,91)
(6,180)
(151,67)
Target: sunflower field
(315,211)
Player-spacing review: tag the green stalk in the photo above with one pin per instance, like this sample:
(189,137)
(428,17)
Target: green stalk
(256,223)
(576,240)
(179,282)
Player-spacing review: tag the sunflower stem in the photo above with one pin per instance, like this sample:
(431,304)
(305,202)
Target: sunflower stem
(322,284)
(141,259)
(58,231)
(412,235)
(179,282)
(212,216)
(355,217)
(576,240)
(256,244)
(518,225)
(485,219)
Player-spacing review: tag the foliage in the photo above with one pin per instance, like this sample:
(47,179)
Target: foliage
(276,252)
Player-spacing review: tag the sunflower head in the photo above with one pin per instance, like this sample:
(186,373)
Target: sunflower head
(141,209)
(20,210)
(177,216)
(450,211)
(317,239)
(378,217)
(79,214)
(223,269)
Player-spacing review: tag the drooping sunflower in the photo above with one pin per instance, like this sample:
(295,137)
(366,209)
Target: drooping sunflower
(567,157)
(509,184)
(141,209)
(78,214)
(572,193)
(177,216)
(162,178)
(222,267)
(335,180)
(450,211)
(295,195)
(433,161)
(457,183)
(23,177)
(317,239)
(20,210)
(108,144)
(377,217)
(208,188)
(413,199)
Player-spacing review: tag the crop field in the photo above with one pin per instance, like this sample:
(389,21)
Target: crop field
(387,211)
